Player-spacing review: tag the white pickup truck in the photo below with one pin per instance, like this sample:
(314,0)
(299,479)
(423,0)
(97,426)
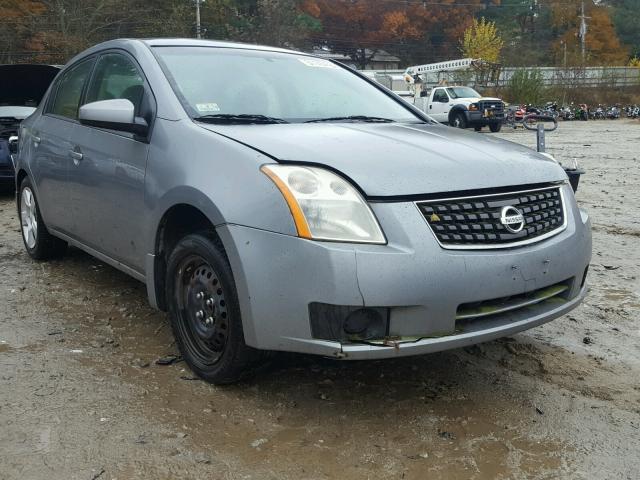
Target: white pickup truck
(462,107)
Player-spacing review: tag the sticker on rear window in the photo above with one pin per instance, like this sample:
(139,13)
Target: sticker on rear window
(207,107)
(317,62)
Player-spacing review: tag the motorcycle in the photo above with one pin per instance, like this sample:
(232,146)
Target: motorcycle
(582,112)
(613,113)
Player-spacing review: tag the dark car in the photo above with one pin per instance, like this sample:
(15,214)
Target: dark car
(21,89)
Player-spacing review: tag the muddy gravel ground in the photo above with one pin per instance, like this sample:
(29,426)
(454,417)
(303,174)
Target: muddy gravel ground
(81,396)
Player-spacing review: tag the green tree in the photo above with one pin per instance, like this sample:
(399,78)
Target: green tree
(526,86)
(626,18)
(281,23)
(526,28)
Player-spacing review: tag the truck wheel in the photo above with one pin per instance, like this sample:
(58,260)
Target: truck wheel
(38,242)
(205,313)
(459,120)
(495,127)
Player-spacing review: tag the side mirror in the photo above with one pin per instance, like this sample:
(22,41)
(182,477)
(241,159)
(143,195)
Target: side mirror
(117,114)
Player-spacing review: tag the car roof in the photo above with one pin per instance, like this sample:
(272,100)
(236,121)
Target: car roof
(190,42)
(177,42)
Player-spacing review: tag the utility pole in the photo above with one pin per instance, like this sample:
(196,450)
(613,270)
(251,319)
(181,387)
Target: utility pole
(198,26)
(583,33)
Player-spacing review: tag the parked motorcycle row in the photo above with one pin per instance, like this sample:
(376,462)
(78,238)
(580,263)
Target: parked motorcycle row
(517,113)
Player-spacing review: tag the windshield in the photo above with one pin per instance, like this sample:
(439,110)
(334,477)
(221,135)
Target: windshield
(223,82)
(463,92)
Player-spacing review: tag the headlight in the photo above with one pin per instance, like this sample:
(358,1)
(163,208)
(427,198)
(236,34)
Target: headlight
(473,107)
(324,205)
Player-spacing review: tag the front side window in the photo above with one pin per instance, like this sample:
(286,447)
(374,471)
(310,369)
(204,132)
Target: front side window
(440,96)
(292,87)
(69,91)
(116,77)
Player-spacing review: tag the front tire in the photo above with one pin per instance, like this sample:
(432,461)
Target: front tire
(459,120)
(205,312)
(495,127)
(38,242)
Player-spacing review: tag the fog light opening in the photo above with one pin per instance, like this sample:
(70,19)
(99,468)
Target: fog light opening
(365,323)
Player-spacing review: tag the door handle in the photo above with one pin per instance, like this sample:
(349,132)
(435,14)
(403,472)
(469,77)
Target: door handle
(76,156)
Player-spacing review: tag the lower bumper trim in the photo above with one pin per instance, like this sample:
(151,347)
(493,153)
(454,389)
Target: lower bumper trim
(424,345)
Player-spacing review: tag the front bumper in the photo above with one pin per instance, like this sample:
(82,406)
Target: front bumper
(479,118)
(421,284)
(7,173)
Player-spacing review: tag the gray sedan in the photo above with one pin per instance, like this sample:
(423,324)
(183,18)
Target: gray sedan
(275,201)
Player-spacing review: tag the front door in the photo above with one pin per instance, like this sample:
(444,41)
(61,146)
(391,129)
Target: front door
(108,171)
(439,108)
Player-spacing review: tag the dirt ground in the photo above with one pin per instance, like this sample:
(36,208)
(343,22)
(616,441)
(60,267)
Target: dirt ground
(81,396)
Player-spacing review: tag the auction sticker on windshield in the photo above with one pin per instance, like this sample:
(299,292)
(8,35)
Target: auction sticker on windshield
(207,107)
(317,63)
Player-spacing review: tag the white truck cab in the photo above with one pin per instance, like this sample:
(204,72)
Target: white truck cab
(462,107)
(459,106)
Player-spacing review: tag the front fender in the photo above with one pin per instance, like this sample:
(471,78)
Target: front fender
(182,195)
(458,108)
(219,176)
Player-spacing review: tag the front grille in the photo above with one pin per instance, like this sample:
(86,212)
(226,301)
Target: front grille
(477,221)
(8,127)
(496,106)
(551,295)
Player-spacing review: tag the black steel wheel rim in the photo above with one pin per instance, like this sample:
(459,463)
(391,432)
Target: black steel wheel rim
(202,310)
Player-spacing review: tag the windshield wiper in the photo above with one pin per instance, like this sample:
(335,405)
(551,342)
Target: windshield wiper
(353,118)
(229,118)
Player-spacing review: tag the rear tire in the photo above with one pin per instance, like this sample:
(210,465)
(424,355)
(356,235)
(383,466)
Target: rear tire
(495,127)
(38,242)
(205,312)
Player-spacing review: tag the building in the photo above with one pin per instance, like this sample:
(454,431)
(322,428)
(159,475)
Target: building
(381,60)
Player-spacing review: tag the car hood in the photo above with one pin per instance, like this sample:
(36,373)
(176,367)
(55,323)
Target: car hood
(18,113)
(401,159)
(25,85)
(478,99)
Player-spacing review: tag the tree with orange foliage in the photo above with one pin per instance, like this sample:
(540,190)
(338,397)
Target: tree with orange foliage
(602,44)
(361,28)
(16,25)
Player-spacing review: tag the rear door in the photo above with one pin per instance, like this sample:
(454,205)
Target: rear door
(439,107)
(51,144)
(107,178)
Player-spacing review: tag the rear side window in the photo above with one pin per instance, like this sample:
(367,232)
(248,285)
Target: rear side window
(69,91)
(116,77)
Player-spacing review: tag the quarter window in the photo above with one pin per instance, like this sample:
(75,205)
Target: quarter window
(69,91)
(116,77)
